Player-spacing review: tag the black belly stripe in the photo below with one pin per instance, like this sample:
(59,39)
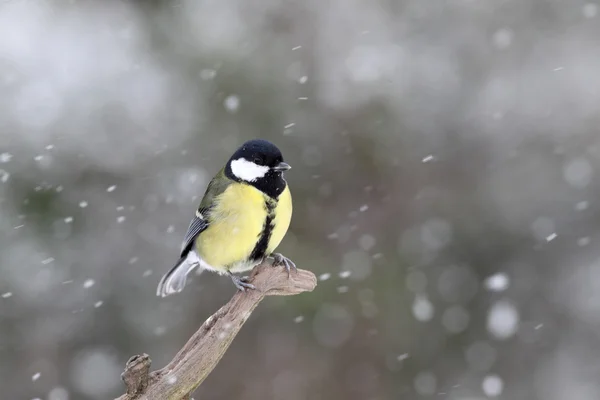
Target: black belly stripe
(260,249)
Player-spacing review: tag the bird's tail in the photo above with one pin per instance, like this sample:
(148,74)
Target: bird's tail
(174,280)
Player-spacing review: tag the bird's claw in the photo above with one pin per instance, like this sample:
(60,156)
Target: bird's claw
(280,259)
(242,283)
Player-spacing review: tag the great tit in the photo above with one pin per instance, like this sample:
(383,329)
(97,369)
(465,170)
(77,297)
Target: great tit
(243,216)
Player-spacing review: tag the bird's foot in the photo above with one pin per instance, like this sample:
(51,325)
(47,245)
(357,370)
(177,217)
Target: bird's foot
(241,282)
(281,260)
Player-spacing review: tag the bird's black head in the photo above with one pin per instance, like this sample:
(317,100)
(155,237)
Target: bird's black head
(259,163)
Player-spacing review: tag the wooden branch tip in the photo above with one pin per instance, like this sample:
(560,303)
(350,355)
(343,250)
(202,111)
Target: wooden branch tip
(136,374)
(199,356)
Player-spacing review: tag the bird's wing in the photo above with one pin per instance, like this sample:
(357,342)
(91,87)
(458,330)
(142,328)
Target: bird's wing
(217,185)
(201,220)
(197,225)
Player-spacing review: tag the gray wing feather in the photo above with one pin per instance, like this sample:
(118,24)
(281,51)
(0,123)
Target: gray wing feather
(200,222)
(196,227)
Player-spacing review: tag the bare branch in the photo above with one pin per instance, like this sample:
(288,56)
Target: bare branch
(205,348)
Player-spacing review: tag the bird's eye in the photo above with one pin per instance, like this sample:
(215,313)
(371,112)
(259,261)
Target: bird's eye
(257,160)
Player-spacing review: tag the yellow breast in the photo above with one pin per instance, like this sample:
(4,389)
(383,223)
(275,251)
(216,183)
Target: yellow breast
(283,216)
(236,224)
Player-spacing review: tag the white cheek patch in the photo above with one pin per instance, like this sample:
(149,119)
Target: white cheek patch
(247,170)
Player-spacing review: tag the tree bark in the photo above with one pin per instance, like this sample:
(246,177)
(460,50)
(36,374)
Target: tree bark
(204,349)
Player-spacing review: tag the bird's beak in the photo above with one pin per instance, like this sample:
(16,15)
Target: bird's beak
(281,167)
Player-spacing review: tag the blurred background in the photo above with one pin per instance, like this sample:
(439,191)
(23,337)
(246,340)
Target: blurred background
(445,184)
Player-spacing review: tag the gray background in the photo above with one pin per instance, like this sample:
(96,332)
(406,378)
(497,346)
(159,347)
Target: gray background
(445,183)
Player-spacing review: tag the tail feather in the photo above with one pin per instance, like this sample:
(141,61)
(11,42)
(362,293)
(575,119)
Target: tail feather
(174,280)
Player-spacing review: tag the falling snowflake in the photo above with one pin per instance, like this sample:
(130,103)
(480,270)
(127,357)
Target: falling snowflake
(89,283)
(325,276)
(232,103)
(503,320)
(422,308)
(492,385)
(5,157)
(344,274)
(497,282)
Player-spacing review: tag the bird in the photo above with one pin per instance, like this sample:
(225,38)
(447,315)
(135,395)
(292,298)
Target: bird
(244,215)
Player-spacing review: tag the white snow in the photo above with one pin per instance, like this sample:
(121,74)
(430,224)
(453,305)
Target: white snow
(5,157)
(344,274)
(325,276)
(422,308)
(89,283)
(492,385)
(503,320)
(232,103)
(498,282)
